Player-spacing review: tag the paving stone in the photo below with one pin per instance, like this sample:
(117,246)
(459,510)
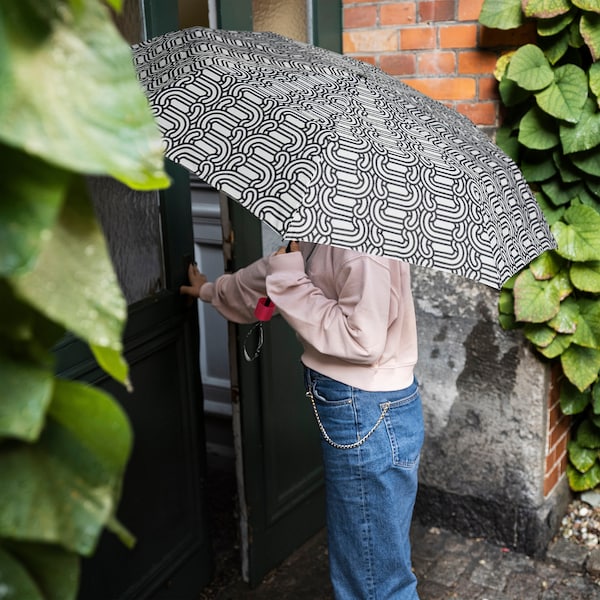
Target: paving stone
(489,575)
(592,564)
(567,554)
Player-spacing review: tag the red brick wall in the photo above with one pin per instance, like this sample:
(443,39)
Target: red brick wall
(436,46)
(439,47)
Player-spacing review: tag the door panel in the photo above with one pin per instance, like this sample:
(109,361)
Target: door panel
(281,487)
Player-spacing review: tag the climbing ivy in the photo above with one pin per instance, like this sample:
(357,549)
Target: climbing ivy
(70,105)
(551,91)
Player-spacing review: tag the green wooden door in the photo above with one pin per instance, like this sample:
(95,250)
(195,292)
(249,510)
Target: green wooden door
(282,486)
(163,500)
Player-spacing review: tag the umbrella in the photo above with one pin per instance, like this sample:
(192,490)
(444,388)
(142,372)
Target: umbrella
(327,149)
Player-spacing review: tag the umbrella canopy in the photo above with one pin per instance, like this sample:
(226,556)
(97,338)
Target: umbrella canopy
(327,149)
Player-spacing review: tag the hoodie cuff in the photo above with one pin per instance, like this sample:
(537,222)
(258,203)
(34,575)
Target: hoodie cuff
(206,291)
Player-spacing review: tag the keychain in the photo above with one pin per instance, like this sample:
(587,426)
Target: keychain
(263,312)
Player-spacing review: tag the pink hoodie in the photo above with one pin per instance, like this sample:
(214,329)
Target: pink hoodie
(353,312)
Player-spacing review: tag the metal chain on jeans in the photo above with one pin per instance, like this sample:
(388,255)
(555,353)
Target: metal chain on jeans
(385,407)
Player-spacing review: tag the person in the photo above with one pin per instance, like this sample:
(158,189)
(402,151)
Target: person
(354,315)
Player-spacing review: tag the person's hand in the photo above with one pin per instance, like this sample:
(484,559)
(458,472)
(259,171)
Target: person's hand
(197,280)
(293,247)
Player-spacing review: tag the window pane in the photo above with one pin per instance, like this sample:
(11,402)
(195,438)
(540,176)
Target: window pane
(286,17)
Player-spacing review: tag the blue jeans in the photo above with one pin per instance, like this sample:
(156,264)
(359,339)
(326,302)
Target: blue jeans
(371,485)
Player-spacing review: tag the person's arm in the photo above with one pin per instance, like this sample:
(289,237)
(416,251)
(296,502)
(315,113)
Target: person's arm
(353,327)
(234,295)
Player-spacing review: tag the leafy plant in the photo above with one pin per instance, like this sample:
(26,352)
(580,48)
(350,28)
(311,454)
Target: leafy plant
(69,105)
(551,91)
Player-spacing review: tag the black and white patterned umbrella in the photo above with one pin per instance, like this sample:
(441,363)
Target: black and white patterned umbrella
(327,149)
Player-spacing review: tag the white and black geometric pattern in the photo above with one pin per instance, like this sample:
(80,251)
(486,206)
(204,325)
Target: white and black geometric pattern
(328,149)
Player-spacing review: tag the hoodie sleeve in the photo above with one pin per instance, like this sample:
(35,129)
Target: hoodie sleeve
(353,326)
(235,295)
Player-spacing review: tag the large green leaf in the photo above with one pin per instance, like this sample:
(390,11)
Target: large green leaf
(567,318)
(70,94)
(508,142)
(554,25)
(64,488)
(73,282)
(535,301)
(560,193)
(556,47)
(538,130)
(545,9)
(596,398)
(585,134)
(590,5)
(588,161)
(530,69)
(565,96)
(510,93)
(588,435)
(546,265)
(501,15)
(588,323)
(594,79)
(539,334)
(572,401)
(580,365)
(578,237)
(580,482)
(26,393)
(28,208)
(558,345)
(585,276)
(37,572)
(537,166)
(589,28)
(551,212)
(581,458)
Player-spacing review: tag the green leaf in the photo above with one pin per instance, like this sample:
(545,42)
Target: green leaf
(596,398)
(556,47)
(26,393)
(581,458)
(507,322)
(530,69)
(554,25)
(588,435)
(38,571)
(565,96)
(560,193)
(585,276)
(572,401)
(28,209)
(501,15)
(64,488)
(546,265)
(73,282)
(539,335)
(579,482)
(558,345)
(510,93)
(507,142)
(506,302)
(578,237)
(590,5)
(535,301)
(545,9)
(585,134)
(589,27)
(580,365)
(594,80)
(552,213)
(567,318)
(538,131)
(113,363)
(588,326)
(588,161)
(70,94)
(537,166)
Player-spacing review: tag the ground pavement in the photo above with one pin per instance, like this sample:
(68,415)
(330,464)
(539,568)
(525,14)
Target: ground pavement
(448,565)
